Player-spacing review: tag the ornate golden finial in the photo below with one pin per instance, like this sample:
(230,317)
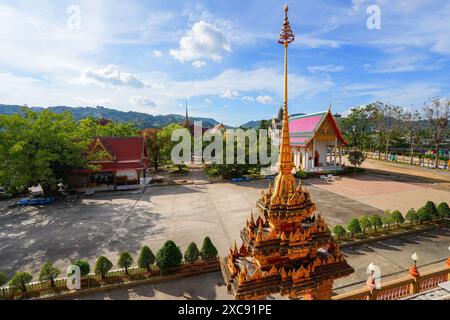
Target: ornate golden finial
(286,36)
(285,181)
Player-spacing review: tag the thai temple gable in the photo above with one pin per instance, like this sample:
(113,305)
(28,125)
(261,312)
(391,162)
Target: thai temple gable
(316,141)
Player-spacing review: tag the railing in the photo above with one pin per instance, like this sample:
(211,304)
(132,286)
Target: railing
(400,288)
(422,162)
(40,288)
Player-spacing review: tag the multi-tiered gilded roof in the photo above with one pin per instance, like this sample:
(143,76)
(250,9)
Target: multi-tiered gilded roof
(288,249)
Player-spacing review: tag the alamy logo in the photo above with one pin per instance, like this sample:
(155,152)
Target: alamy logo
(374,20)
(73,278)
(74,19)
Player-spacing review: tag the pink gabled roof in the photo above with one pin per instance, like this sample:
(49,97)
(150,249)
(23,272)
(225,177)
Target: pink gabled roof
(305,124)
(302,129)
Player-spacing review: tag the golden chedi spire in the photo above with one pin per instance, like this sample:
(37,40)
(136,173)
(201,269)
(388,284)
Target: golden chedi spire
(285,183)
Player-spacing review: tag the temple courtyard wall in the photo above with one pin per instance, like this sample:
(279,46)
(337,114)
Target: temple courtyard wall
(111,224)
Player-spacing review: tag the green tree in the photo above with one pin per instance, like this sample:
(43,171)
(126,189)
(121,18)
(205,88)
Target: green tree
(354,227)
(84,266)
(49,273)
(424,215)
(397,218)
(387,219)
(365,224)
(153,146)
(339,231)
(412,216)
(102,267)
(192,253)
(166,144)
(39,148)
(443,210)
(125,261)
(3,281)
(168,257)
(356,158)
(208,251)
(146,258)
(437,112)
(20,281)
(375,221)
(430,207)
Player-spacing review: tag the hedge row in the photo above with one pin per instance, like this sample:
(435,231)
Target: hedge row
(167,258)
(359,226)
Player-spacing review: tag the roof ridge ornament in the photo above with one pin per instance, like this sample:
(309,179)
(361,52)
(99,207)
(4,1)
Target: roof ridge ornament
(286,36)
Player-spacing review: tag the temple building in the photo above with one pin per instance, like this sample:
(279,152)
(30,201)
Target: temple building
(288,249)
(316,141)
(115,162)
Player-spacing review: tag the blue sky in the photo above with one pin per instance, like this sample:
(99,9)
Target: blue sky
(150,56)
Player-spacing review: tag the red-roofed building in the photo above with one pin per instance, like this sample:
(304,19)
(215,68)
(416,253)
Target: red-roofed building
(116,161)
(316,141)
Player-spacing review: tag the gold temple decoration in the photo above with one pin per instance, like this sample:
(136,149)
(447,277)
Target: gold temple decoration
(285,182)
(288,249)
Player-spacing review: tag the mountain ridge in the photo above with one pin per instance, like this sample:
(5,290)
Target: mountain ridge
(140,119)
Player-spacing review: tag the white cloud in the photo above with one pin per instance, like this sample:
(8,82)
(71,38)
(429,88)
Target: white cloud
(248,99)
(142,102)
(264,99)
(157,53)
(95,102)
(230,94)
(199,64)
(203,41)
(326,68)
(110,76)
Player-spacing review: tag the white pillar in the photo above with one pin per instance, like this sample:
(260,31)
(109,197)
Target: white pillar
(340,156)
(335,151)
(313,154)
(306,160)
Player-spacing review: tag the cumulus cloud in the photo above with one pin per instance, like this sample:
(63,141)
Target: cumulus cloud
(110,76)
(203,41)
(264,99)
(247,99)
(140,101)
(199,64)
(157,53)
(230,94)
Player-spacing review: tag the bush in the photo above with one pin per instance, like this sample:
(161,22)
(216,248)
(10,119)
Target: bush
(49,273)
(387,218)
(300,174)
(102,266)
(3,279)
(208,251)
(424,215)
(84,266)
(125,261)
(397,218)
(339,231)
(364,222)
(430,207)
(354,227)
(192,254)
(168,257)
(20,281)
(146,258)
(412,216)
(443,210)
(375,221)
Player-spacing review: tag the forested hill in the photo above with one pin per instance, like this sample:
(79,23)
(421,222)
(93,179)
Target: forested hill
(142,120)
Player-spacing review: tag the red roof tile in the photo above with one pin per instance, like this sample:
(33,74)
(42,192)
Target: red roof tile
(124,149)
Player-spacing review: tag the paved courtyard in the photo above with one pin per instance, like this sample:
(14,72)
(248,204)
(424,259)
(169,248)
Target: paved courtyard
(386,192)
(110,224)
